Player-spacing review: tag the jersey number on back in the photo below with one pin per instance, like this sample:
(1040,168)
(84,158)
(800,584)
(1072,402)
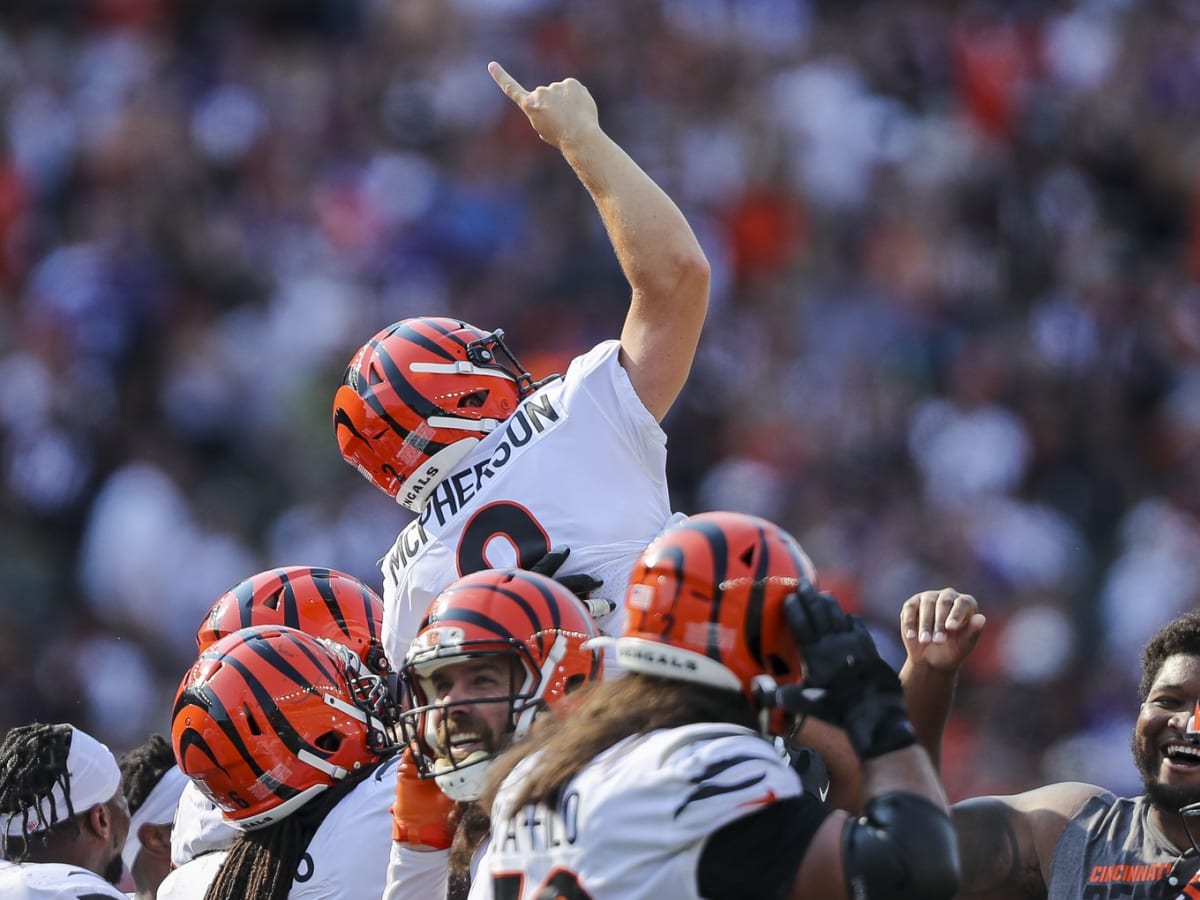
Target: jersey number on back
(507,521)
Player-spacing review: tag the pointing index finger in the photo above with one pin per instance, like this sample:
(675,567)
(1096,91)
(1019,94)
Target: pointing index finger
(507,83)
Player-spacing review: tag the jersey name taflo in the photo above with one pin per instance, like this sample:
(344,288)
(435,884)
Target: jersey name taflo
(633,823)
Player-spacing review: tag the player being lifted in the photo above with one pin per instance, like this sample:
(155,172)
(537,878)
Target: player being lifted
(498,468)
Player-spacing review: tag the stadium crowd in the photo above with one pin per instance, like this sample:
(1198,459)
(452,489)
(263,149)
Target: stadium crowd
(952,338)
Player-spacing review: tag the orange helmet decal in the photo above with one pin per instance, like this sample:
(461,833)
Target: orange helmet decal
(318,601)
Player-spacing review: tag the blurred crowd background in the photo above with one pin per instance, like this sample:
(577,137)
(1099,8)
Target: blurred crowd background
(953,338)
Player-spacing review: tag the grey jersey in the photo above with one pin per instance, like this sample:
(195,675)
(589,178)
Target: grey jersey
(1111,850)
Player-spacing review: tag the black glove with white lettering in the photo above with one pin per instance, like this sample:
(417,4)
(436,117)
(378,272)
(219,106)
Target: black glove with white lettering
(846,682)
(580,585)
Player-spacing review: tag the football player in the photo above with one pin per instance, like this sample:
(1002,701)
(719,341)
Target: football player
(288,734)
(152,785)
(497,649)
(322,602)
(63,816)
(498,468)
(665,782)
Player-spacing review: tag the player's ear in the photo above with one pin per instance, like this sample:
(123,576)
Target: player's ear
(98,820)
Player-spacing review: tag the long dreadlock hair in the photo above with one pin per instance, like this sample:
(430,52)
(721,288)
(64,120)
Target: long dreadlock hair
(609,712)
(262,863)
(142,767)
(33,759)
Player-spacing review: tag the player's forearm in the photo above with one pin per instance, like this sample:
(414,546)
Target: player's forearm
(908,770)
(928,695)
(415,874)
(654,243)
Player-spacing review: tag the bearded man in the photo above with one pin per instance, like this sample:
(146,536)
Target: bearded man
(1079,841)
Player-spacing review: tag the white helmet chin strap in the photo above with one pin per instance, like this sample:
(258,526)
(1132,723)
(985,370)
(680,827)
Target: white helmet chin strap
(463,781)
(417,487)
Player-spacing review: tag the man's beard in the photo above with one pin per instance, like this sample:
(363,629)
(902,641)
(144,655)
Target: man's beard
(464,725)
(114,870)
(1166,797)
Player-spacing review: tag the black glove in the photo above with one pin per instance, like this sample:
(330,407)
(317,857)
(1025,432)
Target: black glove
(580,585)
(810,766)
(846,682)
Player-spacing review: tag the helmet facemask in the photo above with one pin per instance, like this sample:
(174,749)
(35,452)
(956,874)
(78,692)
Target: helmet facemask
(541,631)
(433,725)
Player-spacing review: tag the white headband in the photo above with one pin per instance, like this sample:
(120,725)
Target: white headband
(157,809)
(93,775)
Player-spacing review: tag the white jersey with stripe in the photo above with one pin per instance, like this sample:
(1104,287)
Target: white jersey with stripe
(347,856)
(633,823)
(46,881)
(581,463)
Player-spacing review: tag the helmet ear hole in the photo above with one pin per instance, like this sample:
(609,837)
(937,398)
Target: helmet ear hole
(748,556)
(272,602)
(777,666)
(473,401)
(330,741)
(251,722)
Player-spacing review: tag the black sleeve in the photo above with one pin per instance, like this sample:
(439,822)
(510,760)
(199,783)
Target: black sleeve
(758,856)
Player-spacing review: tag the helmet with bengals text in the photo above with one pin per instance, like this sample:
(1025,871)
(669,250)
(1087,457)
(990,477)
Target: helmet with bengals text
(417,396)
(705,604)
(269,717)
(536,627)
(321,602)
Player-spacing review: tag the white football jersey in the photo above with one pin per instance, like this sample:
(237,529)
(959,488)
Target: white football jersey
(581,463)
(190,881)
(346,858)
(633,823)
(53,881)
(199,827)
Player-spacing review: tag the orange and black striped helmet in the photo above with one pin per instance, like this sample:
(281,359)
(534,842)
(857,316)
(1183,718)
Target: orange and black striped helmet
(523,616)
(269,716)
(705,604)
(417,396)
(322,602)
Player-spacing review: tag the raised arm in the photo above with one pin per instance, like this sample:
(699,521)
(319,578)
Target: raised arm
(939,630)
(902,846)
(660,256)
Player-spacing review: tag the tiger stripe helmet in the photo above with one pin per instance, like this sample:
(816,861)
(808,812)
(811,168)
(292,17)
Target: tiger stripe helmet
(417,396)
(527,617)
(321,602)
(269,717)
(705,604)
